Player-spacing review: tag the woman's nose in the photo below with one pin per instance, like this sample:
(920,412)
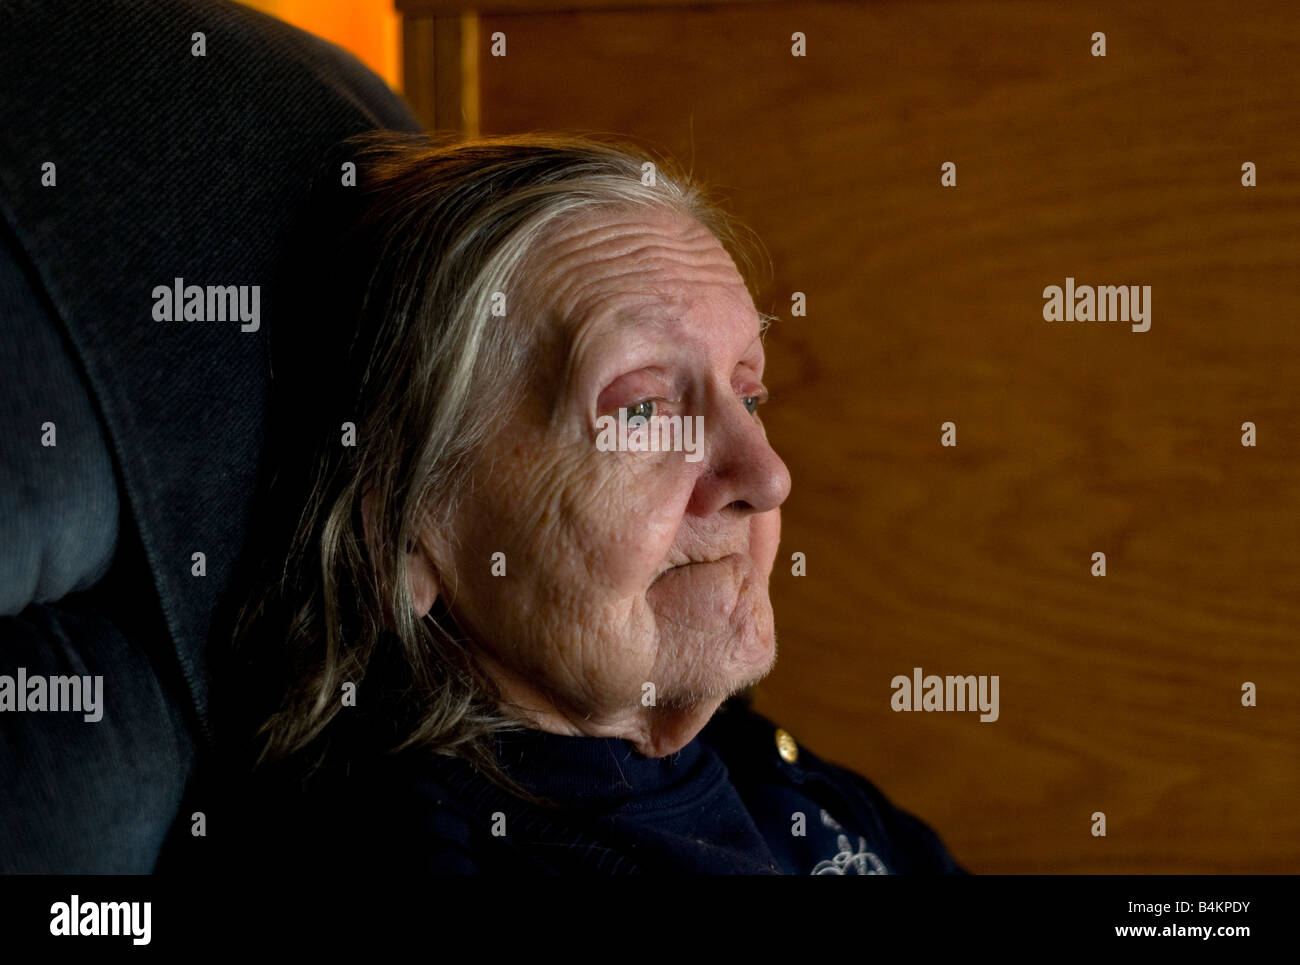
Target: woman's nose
(740,465)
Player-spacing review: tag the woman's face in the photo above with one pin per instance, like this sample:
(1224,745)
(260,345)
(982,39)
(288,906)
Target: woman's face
(624,568)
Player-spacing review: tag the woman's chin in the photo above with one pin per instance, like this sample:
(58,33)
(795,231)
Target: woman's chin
(753,659)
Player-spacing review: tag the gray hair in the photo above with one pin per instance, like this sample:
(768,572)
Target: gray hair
(412,356)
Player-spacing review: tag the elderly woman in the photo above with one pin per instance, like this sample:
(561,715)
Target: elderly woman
(493,635)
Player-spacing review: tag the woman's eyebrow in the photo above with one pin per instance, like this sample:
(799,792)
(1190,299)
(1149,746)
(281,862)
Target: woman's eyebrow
(652,310)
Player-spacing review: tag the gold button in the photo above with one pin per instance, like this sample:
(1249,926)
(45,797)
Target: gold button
(786,747)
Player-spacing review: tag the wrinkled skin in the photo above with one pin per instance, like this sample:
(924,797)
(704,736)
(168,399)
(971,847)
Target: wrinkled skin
(623,568)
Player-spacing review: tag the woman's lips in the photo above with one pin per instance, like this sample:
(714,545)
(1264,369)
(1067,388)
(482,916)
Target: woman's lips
(681,566)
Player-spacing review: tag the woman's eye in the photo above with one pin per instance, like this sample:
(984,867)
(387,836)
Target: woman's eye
(752,402)
(644,409)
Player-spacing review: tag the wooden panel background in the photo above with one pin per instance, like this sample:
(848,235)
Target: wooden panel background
(1118,694)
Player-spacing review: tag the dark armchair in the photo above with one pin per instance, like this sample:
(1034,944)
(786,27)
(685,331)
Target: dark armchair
(129,446)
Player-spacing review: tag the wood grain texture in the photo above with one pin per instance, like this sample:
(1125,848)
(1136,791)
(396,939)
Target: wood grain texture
(1118,694)
(419,83)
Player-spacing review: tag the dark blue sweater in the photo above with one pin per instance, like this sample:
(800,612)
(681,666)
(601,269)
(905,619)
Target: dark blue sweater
(727,803)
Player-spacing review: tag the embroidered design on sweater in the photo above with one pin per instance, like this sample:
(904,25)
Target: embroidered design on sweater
(862,861)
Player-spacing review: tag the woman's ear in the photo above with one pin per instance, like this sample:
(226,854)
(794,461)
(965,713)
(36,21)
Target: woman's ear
(422,576)
(421,568)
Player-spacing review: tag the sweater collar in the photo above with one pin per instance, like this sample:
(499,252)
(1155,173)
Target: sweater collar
(604,771)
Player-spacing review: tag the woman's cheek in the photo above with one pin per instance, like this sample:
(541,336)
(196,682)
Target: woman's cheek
(643,523)
(607,519)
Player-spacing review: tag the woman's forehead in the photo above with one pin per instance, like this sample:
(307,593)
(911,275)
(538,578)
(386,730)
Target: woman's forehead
(655,249)
(624,269)
(617,278)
